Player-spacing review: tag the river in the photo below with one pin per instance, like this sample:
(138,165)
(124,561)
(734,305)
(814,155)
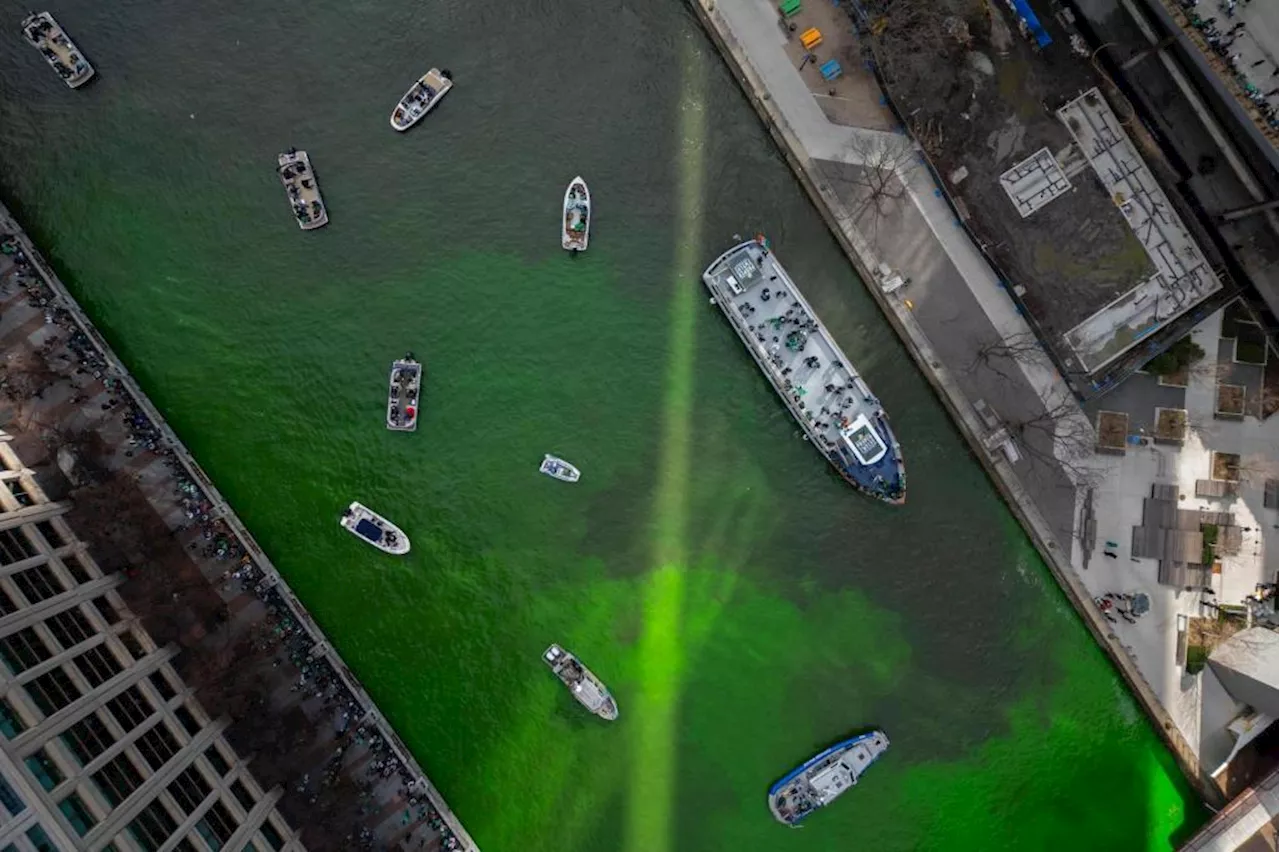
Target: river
(746,607)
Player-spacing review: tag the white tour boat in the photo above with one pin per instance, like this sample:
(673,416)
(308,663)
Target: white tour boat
(559,469)
(575,228)
(366,524)
(421,98)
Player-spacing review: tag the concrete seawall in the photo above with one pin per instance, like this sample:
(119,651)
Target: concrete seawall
(221,509)
(948,389)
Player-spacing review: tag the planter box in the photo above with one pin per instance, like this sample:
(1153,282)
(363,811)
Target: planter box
(1230,403)
(1171,425)
(1113,429)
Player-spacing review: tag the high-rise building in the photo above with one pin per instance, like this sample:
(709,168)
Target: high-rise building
(103,748)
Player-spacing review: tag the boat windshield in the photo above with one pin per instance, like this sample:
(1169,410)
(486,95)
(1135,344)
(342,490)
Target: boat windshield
(369,529)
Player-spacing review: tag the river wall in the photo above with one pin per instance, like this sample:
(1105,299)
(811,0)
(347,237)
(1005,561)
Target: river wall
(323,649)
(960,407)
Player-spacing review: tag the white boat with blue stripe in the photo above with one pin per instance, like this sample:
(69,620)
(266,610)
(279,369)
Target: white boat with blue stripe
(369,526)
(823,778)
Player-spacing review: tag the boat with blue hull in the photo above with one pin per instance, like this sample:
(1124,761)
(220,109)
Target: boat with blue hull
(824,393)
(825,777)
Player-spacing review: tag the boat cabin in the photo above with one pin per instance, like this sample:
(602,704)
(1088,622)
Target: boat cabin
(864,441)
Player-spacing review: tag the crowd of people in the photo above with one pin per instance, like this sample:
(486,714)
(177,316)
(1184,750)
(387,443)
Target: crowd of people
(1221,40)
(284,632)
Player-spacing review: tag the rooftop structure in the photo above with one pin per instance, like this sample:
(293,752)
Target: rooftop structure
(1182,276)
(1247,824)
(1248,664)
(102,746)
(1035,182)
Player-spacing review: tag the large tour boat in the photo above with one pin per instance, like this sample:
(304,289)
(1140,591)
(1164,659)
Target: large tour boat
(421,98)
(402,397)
(824,393)
(367,525)
(585,686)
(45,34)
(824,777)
(575,229)
(303,190)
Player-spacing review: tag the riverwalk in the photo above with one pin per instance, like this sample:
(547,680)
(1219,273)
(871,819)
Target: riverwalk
(367,746)
(950,309)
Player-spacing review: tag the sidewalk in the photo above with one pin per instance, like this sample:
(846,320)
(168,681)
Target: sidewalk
(951,310)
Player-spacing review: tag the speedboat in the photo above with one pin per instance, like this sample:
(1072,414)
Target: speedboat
(576,226)
(588,689)
(304,192)
(402,397)
(559,469)
(45,34)
(368,525)
(421,98)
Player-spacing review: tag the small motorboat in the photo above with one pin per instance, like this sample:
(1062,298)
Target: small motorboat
(366,524)
(421,98)
(45,34)
(300,185)
(559,469)
(576,227)
(403,395)
(588,689)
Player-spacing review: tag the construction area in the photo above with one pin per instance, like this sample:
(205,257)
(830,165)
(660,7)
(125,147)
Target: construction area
(1048,171)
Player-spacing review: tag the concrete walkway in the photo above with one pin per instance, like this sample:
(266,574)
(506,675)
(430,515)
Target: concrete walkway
(953,307)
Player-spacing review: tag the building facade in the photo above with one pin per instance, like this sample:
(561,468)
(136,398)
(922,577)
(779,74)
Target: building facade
(103,748)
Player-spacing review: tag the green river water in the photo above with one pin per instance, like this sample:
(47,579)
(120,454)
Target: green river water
(745,606)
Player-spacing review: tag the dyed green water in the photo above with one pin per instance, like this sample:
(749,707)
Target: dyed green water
(745,606)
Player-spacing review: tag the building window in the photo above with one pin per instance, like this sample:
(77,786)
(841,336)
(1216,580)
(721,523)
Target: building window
(217,826)
(157,745)
(106,610)
(272,836)
(98,665)
(189,790)
(12,801)
(37,584)
(11,723)
(40,840)
(117,779)
(69,627)
(242,795)
(132,645)
(22,650)
(217,761)
(152,827)
(88,738)
(44,770)
(131,708)
(76,568)
(50,534)
(77,814)
(52,691)
(162,685)
(14,547)
(187,720)
(7,606)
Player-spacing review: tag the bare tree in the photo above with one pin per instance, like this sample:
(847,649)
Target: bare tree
(1002,356)
(887,161)
(1060,439)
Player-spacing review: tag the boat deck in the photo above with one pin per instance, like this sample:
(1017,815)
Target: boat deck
(303,188)
(405,391)
(64,49)
(827,397)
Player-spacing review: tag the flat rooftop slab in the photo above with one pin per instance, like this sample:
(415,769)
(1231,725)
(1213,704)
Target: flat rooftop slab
(1034,182)
(1183,276)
